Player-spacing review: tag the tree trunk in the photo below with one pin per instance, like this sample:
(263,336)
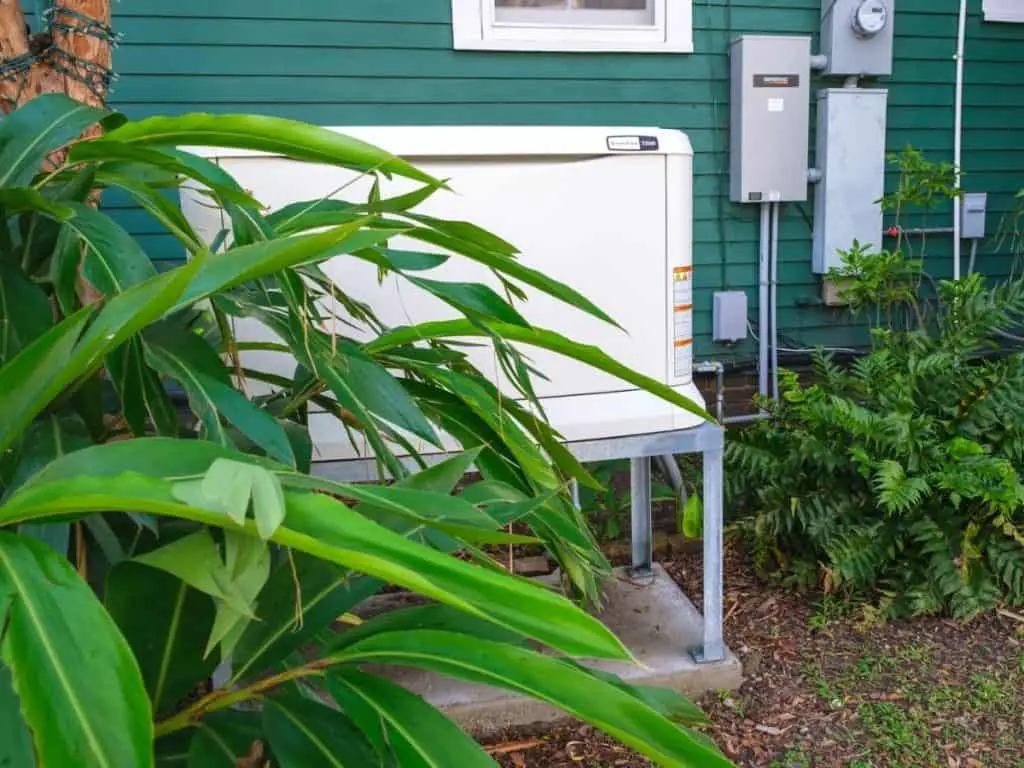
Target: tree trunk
(84,59)
(43,76)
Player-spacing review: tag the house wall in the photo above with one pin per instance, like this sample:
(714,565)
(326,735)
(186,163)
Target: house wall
(339,62)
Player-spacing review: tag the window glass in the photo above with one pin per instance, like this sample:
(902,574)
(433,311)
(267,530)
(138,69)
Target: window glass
(575,12)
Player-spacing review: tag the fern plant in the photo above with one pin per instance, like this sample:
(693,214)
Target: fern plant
(899,477)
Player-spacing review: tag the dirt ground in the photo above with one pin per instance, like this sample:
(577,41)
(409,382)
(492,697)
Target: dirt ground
(824,686)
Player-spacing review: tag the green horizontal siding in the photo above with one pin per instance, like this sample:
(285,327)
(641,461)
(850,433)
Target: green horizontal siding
(391,62)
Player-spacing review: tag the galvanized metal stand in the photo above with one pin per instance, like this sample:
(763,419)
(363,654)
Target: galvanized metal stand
(706,439)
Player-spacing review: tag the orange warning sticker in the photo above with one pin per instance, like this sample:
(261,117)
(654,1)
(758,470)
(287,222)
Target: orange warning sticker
(682,320)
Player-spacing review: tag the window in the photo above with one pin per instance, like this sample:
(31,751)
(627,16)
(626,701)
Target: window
(644,26)
(1004,10)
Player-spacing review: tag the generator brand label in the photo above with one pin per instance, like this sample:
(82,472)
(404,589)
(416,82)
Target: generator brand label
(776,81)
(682,321)
(633,143)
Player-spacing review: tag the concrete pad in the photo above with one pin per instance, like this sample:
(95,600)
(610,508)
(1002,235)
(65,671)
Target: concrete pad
(653,618)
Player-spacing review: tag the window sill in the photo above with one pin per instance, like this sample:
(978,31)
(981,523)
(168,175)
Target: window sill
(574,46)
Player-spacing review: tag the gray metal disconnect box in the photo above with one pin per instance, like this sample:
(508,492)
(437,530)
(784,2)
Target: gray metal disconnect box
(771,109)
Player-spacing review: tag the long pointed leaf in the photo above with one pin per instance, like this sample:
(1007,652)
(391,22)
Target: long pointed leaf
(326,528)
(166,623)
(537,337)
(15,740)
(78,683)
(419,734)
(303,734)
(30,133)
(611,708)
(276,135)
(34,377)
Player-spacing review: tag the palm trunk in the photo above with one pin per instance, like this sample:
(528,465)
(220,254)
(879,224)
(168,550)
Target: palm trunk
(87,55)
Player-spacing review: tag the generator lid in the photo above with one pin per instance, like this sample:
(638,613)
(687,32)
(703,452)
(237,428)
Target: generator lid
(504,141)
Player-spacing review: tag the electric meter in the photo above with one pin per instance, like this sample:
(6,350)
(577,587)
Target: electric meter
(870,17)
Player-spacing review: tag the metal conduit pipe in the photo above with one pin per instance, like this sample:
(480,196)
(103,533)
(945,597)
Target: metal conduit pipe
(762,302)
(958,132)
(774,300)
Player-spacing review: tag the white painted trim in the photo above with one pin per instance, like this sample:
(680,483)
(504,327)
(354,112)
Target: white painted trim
(474,28)
(1004,10)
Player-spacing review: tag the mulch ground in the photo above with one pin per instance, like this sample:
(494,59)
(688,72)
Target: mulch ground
(827,686)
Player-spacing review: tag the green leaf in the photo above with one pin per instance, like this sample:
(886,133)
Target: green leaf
(196,560)
(326,528)
(472,299)
(144,399)
(306,595)
(203,392)
(25,311)
(223,738)
(16,200)
(57,536)
(232,487)
(418,734)
(244,263)
(247,563)
(46,439)
(31,132)
(544,339)
(154,202)
(166,623)
(302,597)
(464,230)
(303,733)
(116,156)
(380,393)
(15,740)
(114,260)
(403,261)
(190,360)
(611,708)
(289,138)
(34,377)
(79,686)
(693,518)
(515,269)
(430,616)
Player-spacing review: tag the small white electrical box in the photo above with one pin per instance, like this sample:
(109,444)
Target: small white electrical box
(973,209)
(730,316)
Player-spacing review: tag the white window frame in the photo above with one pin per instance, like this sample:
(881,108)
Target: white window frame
(1004,10)
(475,28)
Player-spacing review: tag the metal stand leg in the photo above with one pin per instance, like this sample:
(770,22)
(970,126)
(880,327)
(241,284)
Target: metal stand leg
(714,647)
(642,523)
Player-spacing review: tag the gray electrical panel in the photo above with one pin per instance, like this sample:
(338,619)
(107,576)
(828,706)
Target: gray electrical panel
(770,127)
(857,36)
(851,158)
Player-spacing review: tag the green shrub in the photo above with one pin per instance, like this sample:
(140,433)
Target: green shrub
(898,477)
(143,543)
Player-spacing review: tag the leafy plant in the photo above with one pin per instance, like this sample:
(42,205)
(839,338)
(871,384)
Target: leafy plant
(608,508)
(898,478)
(146,539)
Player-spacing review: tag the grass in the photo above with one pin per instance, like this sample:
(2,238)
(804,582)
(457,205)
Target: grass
(904,714)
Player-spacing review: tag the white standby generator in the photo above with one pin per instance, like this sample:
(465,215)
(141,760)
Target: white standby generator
(606,210)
